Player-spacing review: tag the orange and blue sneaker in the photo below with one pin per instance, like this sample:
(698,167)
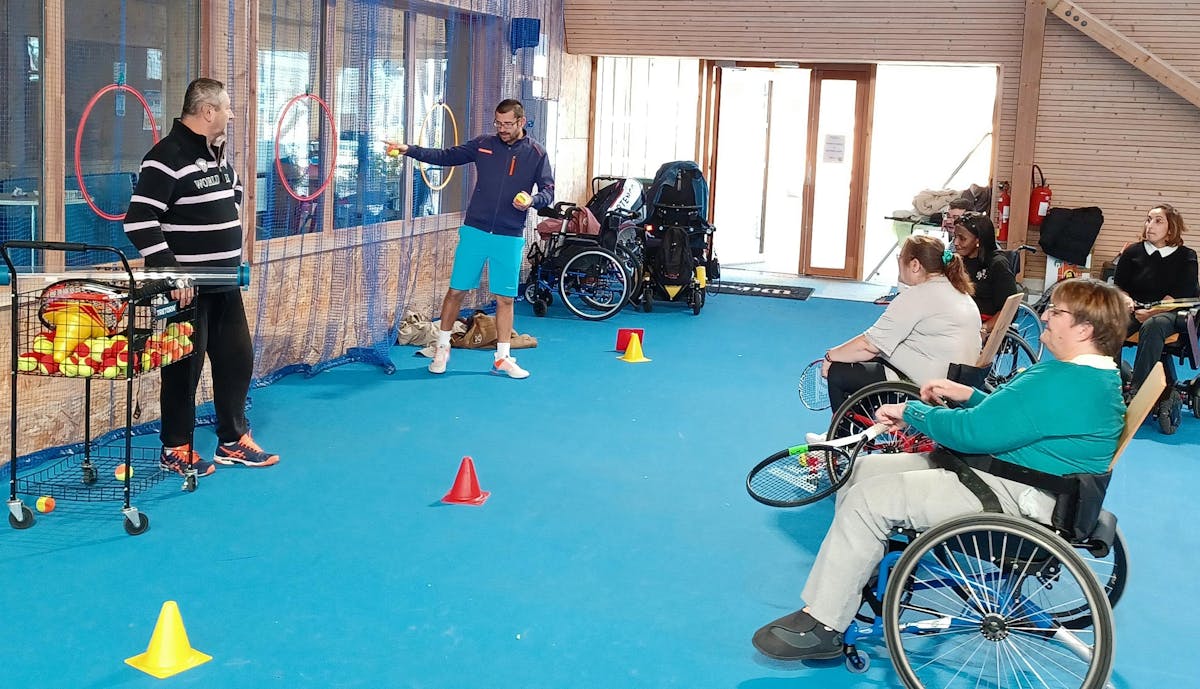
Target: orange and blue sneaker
(180,459)
(245,452)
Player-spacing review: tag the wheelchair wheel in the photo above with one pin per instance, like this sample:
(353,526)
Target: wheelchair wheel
(594,284)
(967,605)
(1015,355)
(857,414)
(1029,326)
(1111,570)
(1194,396)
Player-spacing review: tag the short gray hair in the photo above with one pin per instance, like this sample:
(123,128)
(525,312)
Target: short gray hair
(199,92)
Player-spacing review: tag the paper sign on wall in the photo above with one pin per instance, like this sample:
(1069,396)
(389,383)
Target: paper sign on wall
(834,149)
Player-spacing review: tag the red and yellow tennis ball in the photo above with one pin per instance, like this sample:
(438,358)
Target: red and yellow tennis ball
(28,362)
(522,198)
(45,504)
(119,472)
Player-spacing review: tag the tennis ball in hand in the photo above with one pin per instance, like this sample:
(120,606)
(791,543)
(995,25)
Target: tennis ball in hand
(119,472)
(522,198)
(45,504)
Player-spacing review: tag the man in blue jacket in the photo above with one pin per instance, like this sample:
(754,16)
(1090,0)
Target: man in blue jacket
(507,164)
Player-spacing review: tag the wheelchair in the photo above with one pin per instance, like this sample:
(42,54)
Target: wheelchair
(676,250)
(591,280)
(1179,348)
(993,599)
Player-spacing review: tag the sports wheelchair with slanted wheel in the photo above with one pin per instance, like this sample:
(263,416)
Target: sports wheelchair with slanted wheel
(997,600)
(591,280)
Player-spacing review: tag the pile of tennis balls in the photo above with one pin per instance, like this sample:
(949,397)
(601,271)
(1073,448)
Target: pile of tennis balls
(107,356)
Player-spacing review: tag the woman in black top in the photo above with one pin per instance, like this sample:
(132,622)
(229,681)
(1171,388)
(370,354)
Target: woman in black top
(1157,268)
(975,242)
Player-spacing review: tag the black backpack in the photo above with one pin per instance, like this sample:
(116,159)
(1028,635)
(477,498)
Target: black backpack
(675,259)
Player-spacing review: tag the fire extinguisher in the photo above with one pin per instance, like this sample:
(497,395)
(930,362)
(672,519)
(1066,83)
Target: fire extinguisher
(1003,209)
(1039,198)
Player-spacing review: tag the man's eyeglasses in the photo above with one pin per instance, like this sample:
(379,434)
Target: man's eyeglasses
(505,125)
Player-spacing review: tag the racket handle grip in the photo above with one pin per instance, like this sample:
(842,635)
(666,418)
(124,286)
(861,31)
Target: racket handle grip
(151,288)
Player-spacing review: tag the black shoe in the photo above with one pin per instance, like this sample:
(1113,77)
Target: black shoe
(798,636)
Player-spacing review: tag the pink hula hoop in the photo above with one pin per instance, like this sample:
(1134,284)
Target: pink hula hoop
(87,110)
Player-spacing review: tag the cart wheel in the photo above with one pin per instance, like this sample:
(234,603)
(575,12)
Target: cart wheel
(858,662)
(531,291)
(24,522)
(539,308)
(139,528)
(189,483)
(89,476)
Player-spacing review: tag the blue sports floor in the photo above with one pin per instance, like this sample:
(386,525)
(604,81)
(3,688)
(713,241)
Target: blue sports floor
(618,548)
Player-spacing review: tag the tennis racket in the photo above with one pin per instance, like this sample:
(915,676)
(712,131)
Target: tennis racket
(103,303)
(1169,305)
(814,389)
(804,474)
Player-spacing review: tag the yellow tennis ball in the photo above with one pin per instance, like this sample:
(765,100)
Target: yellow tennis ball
(119,472)
(45,504)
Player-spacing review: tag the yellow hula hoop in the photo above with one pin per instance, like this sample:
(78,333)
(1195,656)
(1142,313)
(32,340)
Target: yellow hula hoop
(421,138)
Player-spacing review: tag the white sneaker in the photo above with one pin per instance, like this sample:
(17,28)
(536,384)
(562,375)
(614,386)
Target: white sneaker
(814,438)
(441,356)
(508,366)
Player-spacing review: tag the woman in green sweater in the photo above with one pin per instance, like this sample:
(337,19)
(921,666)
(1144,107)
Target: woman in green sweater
(1061,416)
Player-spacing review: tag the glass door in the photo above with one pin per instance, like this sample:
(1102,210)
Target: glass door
(758,197)
(835,174)
(790,168)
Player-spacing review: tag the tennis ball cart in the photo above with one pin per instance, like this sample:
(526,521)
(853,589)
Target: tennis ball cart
(105,325)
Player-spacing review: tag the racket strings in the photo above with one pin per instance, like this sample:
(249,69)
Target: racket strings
(801,478)
(814,388)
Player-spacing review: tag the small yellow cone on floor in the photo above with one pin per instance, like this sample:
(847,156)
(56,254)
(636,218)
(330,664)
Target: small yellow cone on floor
(633,352)
(169,652)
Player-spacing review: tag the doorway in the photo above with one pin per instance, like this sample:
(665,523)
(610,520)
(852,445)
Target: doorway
(788,186)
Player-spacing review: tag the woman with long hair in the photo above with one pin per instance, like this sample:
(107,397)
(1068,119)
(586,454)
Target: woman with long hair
(1157,268)
(928,326)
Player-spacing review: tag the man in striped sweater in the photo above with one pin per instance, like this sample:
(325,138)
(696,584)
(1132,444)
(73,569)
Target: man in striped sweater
(186,213)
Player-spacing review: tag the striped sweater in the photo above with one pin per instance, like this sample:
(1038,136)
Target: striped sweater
(186,206)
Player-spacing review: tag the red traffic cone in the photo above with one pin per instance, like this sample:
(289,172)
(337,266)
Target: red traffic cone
(466,486)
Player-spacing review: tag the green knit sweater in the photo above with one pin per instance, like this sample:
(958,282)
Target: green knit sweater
(1057,417)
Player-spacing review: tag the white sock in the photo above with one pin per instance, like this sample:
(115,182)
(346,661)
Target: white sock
(443,338)
(502,349)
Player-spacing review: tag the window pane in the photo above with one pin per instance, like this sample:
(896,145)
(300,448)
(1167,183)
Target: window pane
(153,52)
(288,68)
(371,84)
(21,127)
(645,114)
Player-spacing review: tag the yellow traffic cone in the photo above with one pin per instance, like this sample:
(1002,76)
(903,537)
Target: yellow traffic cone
(169,652)
(633,352)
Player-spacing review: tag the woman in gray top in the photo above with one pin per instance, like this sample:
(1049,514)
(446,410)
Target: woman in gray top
(927,327)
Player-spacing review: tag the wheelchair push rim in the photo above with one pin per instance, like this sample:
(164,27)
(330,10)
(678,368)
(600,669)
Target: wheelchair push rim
(977,601)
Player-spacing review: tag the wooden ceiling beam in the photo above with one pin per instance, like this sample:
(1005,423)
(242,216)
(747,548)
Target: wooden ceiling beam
(1126,49)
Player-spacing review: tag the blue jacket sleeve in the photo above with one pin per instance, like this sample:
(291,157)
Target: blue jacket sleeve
(456,155)
(545,184)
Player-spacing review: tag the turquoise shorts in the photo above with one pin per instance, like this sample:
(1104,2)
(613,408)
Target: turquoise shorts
(501,253)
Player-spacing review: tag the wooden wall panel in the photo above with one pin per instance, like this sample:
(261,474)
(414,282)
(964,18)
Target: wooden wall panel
(1110,136)
(1107,134)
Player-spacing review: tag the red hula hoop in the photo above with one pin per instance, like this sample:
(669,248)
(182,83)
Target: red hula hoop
(87,110)
(279,163)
